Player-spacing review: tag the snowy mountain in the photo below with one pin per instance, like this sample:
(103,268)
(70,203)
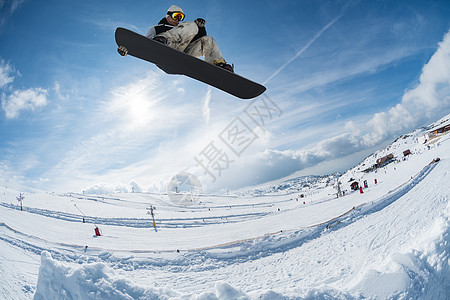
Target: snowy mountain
(300,185)
(290,239)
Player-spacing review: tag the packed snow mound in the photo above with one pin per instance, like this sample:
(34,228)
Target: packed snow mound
(98,281)
(91,281)
(421,273)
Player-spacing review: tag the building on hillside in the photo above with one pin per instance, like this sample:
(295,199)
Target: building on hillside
(381,162)
(435,132)
(406,152)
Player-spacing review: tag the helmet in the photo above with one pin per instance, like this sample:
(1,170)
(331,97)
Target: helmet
(174,8)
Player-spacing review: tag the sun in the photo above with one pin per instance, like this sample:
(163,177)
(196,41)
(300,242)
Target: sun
(140,111)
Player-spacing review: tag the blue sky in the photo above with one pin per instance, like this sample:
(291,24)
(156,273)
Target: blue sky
(343,79)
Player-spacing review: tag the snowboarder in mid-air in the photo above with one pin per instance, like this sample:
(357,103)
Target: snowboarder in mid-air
(175,48)
(189,37)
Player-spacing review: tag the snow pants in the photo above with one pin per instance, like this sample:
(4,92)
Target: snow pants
(180,39)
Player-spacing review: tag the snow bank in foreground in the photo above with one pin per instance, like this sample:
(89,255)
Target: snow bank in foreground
(419,273)
(92,281)
(98,281)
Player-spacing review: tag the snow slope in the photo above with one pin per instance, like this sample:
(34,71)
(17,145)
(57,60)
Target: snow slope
(392,241)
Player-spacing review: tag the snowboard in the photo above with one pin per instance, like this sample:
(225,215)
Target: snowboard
(173,61)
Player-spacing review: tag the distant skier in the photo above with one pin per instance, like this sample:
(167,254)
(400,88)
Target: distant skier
(189,37)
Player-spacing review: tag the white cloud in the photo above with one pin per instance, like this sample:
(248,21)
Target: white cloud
(426,102)
(6,76)
(9,177)
(104,189)
(15,101)
(269,164)
(206,110)
(30,99)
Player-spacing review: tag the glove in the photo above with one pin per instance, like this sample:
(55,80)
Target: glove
(200,22)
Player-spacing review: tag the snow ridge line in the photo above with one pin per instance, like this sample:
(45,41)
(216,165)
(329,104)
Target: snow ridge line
(102,199)
(35,237)
(36,249)
(134,222)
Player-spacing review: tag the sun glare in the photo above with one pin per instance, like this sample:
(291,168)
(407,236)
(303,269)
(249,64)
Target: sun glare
(140,111)
(135,104)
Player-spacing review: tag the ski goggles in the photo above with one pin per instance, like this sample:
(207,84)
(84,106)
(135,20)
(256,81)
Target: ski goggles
(179,16)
